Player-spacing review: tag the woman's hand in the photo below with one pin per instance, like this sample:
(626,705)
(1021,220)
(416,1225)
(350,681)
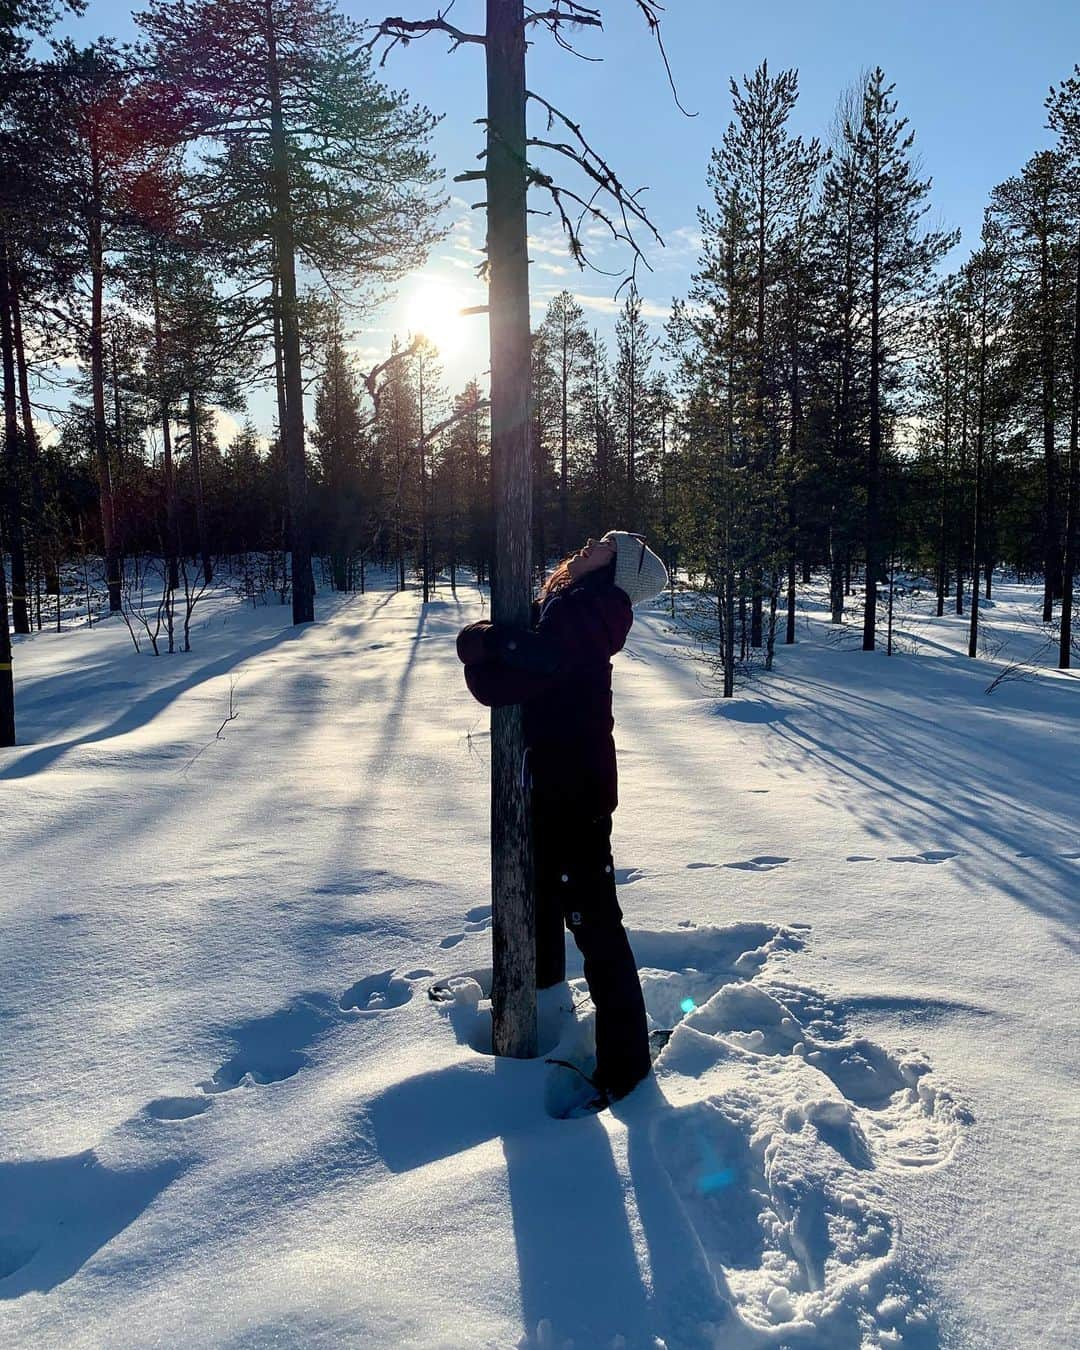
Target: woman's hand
(475,643)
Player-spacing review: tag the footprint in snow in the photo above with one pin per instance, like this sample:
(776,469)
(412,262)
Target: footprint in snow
(178,1108)
(477,920)
(929,857)
(272,1048)
(764,862)
(258,1069)
(376,993)
(773,1166)
(859,857)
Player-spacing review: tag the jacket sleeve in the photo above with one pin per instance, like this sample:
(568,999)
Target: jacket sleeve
(472,643)
(513,665)
(496,686)
(571,635)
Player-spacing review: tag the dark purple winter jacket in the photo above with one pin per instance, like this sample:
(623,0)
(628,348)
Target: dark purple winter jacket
(560,671)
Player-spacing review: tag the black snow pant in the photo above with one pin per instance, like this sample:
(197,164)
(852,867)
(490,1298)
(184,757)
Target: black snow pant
(575,885)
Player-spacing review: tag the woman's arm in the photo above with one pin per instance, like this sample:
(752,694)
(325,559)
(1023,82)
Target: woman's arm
(496,686)
(505,664)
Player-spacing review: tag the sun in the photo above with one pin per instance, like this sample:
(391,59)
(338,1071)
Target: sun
(433,308)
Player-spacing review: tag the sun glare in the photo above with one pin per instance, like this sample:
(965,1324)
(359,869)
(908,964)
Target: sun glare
(434,309)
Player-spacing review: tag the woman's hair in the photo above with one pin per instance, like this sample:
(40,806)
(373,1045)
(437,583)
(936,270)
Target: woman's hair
(560,577)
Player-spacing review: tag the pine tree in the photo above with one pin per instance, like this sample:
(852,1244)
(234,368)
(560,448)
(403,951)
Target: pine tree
(311,163)
(899,262)
(632,382)
(771,171)
(1064,109)
(569,349)
(339,439)
(1031,209)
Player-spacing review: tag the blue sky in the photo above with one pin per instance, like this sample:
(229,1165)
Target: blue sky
(971,77)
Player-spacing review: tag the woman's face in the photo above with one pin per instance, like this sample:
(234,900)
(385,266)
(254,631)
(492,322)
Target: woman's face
(593,554)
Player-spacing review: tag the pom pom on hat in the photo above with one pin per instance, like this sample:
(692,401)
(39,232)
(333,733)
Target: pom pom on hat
(638,571)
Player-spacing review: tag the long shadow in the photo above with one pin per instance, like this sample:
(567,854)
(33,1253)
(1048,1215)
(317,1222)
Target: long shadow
(373,773)
(576,1262)
(58,1212)
(144,709)
(951,814)
(918,773)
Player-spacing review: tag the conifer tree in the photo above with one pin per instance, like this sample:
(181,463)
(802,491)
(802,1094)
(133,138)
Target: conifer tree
(1032,209)
(1064,109)
(569,349)
(898,266)
(338,436)
(309,161)
(632,382)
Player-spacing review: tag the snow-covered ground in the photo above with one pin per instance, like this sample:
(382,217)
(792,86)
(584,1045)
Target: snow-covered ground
(231,1116)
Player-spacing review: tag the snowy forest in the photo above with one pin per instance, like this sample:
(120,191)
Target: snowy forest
(245,793)
(824,395)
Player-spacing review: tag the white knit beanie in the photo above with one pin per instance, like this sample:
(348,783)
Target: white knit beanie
(638,571)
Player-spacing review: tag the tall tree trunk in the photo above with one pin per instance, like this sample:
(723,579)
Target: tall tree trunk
(1051,541)
(564,445)
(892,595)
(97,384)
(943,506)
(770,637)
(197,481)
(873,456)
(729,629)
(303,583)
(1072,523)
(172,515)
(789,631)
(989,530)
(961,485)
(513,906)
(980,444)
(7,681)
(423,482)
(31,447)
(20,612)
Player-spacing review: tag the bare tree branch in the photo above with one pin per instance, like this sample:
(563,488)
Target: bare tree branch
(404,31)
(571,15)
(652,12)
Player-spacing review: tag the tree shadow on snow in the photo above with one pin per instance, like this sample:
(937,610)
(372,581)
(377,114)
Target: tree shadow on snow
(577,1264)
(131,716)
(58,1212)
(576,1260)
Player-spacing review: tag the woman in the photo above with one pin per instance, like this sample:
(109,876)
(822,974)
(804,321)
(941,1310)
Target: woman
(560,671)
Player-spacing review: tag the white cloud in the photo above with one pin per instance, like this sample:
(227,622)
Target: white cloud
(227,428)
(554,243)
(685,239)
(606,304)
(46,433)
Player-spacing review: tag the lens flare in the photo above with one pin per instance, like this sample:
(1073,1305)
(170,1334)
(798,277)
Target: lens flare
(434,309)
(688,1005)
